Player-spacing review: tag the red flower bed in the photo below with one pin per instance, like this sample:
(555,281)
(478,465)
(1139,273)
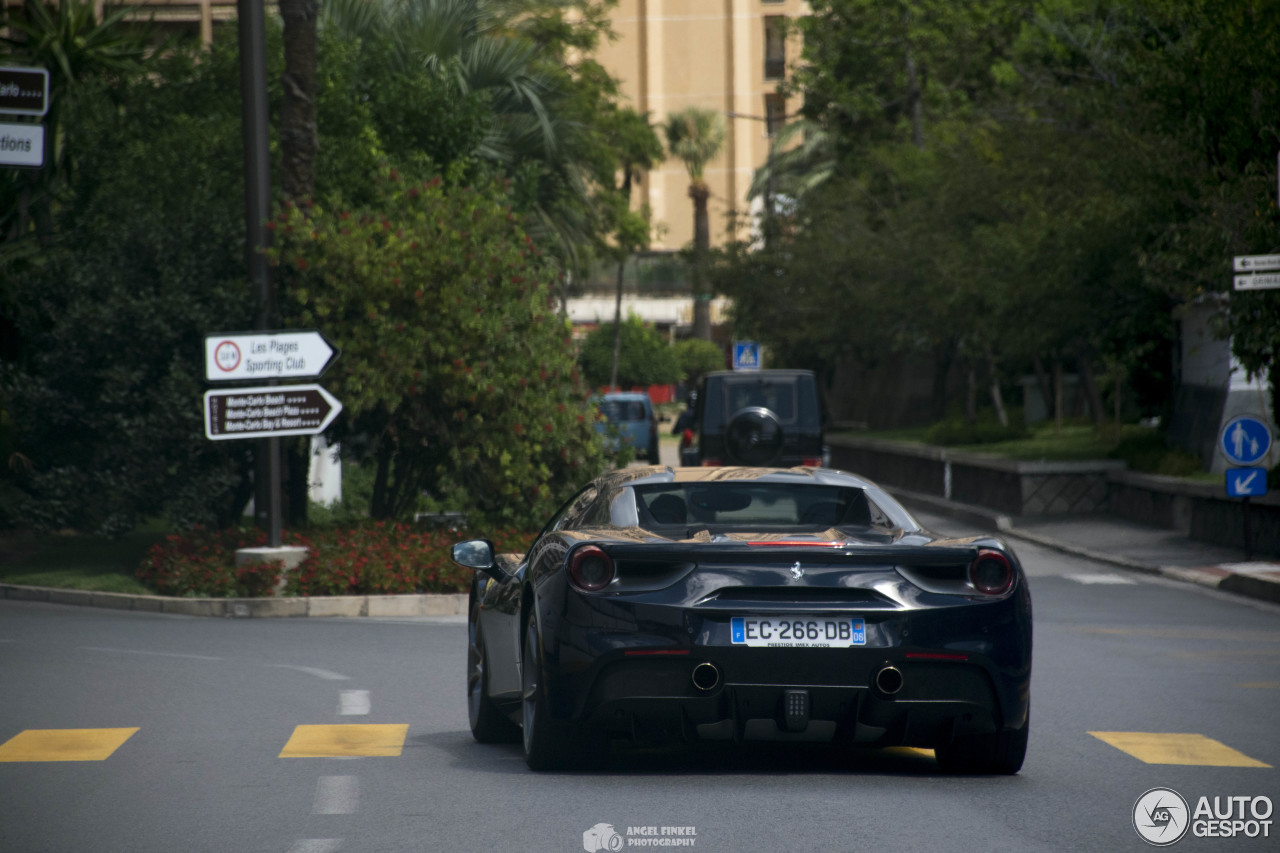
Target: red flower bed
(380,558)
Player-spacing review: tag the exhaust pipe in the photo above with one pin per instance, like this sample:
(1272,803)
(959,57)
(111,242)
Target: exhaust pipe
(705,676)
(888,679)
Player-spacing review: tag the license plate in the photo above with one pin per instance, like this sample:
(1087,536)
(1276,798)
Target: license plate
(800,632)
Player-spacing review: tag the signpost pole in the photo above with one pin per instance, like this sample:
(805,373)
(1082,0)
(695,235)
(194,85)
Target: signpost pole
(257,185)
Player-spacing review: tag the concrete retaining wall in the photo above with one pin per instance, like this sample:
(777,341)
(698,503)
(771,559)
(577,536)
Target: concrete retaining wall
(1009,486)
(1202,511)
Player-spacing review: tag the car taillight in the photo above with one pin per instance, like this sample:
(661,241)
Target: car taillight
(712,463)
(811,462)
(590,568)
(991,573)
(686,438)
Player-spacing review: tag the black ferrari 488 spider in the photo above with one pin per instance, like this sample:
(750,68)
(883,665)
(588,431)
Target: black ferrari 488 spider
(748,604)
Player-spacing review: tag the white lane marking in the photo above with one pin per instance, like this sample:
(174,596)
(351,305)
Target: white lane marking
(1101,579)
(141,652)
(312,670)
(337,795)
(316,845)
(353,703)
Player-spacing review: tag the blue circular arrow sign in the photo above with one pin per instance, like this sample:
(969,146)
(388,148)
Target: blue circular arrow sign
(1245,440)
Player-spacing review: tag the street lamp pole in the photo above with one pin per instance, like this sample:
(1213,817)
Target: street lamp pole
(767,225)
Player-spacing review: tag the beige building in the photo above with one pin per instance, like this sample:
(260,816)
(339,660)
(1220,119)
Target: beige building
(726,55)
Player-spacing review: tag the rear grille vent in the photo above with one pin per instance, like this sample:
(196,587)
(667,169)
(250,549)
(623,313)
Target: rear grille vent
(784,597)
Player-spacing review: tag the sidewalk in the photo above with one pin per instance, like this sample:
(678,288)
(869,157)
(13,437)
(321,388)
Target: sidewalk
(1125,544)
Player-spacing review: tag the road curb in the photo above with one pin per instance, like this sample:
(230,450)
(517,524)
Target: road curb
(1264,586)
(347,606)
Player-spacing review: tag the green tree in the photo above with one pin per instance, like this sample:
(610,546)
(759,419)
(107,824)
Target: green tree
(695,136)
(144,257)
(456,375)
(645,356)
(696,358)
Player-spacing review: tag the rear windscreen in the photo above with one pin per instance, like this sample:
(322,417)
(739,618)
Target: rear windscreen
(758,504)
(777,397)
(622,410)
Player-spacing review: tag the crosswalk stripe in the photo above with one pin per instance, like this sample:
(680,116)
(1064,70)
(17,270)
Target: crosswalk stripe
(64,744)
(346,741)
(1169,748)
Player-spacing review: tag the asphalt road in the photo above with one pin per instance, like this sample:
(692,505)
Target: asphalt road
(138,732)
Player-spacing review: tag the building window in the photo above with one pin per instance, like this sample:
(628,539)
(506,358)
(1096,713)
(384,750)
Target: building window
(775,113)
(775,47)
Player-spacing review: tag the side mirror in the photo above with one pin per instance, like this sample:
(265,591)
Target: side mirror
(475,554)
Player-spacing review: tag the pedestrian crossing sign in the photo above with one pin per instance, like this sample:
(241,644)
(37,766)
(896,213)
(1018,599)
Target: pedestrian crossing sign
(746,355)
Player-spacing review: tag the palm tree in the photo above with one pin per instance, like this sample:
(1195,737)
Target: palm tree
(695,135)
(794,170)
(481,48)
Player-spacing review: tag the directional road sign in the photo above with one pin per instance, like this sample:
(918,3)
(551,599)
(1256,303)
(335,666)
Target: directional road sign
(24,91)
(266,355)
(22,145)
(746,355)
(1246,482)
(268,411)
(1245,440)
(1264,281)
(1256,263)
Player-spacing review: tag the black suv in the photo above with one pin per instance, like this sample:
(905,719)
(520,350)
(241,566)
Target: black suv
(770,418)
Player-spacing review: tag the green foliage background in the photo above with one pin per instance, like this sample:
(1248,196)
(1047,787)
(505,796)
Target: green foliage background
(456,369)
(993,183)
(645,358)
(134,250)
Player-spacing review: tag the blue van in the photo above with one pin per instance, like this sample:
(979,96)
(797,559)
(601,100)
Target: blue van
(631,412)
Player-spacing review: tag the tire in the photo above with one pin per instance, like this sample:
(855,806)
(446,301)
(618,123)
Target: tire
(753,437)
(488,723)
(1001,753)
(545,745)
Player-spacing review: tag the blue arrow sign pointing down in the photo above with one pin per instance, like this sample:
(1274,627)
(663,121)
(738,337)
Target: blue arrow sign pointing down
(1246,482)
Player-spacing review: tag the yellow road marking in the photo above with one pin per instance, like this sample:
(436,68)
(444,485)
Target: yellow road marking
(345,741)
(910,751)
(1190,749)
(1260,685)
(64,744)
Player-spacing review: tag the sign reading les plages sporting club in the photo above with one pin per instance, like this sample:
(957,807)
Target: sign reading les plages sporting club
(237,356)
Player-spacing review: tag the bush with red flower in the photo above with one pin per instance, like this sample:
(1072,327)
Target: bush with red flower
(378,558)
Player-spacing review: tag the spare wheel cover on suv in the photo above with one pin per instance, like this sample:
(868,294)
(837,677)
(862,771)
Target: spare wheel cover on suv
(753,437)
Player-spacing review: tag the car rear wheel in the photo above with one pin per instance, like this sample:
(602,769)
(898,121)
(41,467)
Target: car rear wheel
(545,745)
(488,723)
(753,436)
(1000,753)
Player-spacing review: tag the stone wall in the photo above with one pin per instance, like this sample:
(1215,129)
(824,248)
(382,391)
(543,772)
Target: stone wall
(1201,511)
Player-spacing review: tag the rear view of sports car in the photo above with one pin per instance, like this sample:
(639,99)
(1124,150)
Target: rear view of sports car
(748,604)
